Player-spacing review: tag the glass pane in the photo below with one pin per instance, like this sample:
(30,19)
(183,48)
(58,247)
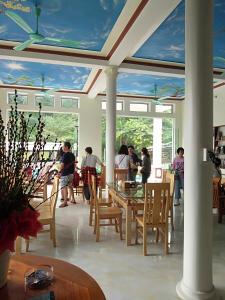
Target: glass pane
(136,131)
(119,105)
(167,142)
(141,107)
(21,98)
(44,100)
(164,109)
(67,102)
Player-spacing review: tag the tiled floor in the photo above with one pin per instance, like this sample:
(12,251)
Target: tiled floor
(123,272)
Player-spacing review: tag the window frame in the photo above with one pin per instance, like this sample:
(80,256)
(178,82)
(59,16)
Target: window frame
(39,95)
(77,99)
(19,94)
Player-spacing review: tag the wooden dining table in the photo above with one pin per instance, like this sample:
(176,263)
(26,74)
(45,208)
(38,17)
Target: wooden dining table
(70,282)
(131,199)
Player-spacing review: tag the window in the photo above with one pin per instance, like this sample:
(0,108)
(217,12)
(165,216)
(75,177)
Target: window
(21,98)
(139,107)
(119,105)
(69,102)
(164,108)
(45,100)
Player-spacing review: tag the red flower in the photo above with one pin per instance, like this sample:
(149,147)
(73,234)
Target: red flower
(24,224)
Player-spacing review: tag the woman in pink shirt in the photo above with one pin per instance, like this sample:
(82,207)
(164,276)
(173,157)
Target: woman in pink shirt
(178,167)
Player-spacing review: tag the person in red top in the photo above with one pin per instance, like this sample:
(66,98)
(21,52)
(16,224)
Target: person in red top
(178,167)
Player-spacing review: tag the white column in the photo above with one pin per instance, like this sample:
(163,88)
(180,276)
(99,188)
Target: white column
(111,75)
(157,143)
(198,131)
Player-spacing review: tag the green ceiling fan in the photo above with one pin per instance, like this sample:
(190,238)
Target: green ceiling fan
(45,91)
(157,100)
(34,35)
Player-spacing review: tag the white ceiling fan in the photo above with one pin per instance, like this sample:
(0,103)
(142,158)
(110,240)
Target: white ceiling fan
(157,100)
(45,91)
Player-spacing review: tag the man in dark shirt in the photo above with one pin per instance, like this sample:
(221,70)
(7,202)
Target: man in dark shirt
(135,162)
(66,173)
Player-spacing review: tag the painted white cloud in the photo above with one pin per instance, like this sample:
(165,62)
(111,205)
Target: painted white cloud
(3,28)
(15,66)
(176,48)
(103,4)
(52,31)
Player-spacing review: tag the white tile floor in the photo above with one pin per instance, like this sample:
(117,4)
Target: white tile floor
(123,272)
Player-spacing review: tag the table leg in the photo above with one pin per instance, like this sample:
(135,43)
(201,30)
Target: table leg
(128,225)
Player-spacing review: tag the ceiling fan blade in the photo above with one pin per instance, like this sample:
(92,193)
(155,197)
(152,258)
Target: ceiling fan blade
(66,43)
(24,45)
(163,98)
(19,21)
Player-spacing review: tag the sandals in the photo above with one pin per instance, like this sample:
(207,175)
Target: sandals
(73,202)
(63,205)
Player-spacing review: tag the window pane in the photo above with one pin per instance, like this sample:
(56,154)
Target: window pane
(140,107)
(164,108)
(167,142)
(119,105)
(21,98)
(69,102)
(44,100)
(137,131)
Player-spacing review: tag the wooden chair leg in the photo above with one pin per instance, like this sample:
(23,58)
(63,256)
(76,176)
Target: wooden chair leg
(157,235)
(166,250)
(144,241)
(136,233)
(120,227)
(18,245)
(91,215)
(52,230)
(171,214)
(97,230)
(116,226)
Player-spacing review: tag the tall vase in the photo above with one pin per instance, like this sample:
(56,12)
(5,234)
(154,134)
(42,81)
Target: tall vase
(4,267)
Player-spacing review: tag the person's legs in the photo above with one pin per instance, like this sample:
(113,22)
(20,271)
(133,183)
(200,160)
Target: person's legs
(86,192)
(177,191)
(144,178)
(64,191)
(70,189)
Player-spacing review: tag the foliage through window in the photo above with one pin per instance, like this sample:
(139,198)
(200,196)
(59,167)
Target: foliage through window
(45,100)
(167,141)
(135,131)
(69,102)
(21,98)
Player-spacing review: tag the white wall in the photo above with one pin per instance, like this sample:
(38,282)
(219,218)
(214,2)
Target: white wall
(90,114)
(219,106)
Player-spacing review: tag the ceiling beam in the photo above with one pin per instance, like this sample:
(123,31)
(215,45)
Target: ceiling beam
(143,23)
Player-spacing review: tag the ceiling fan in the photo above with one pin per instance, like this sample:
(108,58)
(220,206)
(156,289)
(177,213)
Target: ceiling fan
(34,35)
(45,91)
(157,100)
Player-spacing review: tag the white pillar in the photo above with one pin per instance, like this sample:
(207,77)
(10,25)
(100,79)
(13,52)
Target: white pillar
(198,131)
(157,143)
(111,75)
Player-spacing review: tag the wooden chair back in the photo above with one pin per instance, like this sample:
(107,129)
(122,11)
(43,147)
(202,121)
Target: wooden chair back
(168,177)
(102,181)
(54,196)
(121,174)
(156,205)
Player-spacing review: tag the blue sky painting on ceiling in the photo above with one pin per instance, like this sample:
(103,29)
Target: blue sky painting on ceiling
(167,43)
(88,22)
(31,74)
(139,84)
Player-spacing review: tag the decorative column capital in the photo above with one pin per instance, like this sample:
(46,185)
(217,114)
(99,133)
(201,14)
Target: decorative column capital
(111,71)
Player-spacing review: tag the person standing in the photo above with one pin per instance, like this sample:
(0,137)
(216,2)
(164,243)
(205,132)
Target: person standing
(134,163)
(178,167)
(88,166)
(66,173)
(146,165)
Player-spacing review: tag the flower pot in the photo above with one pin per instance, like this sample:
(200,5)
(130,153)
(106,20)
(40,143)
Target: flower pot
(4,266)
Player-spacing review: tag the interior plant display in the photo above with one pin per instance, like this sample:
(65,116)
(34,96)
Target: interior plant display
(17,183)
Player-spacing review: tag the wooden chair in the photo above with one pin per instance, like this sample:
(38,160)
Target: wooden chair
(156,208)
(168,177)
(105,213)
(120,174)
(47,213)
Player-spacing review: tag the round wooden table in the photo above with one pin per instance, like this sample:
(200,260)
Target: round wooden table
(70,282)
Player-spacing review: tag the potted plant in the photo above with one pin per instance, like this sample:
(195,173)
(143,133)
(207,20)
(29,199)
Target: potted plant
(17,185)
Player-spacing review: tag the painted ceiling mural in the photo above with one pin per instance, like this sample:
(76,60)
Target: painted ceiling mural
(167,43)
(85,25)
(147,85)
(79,24)
(38,75)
